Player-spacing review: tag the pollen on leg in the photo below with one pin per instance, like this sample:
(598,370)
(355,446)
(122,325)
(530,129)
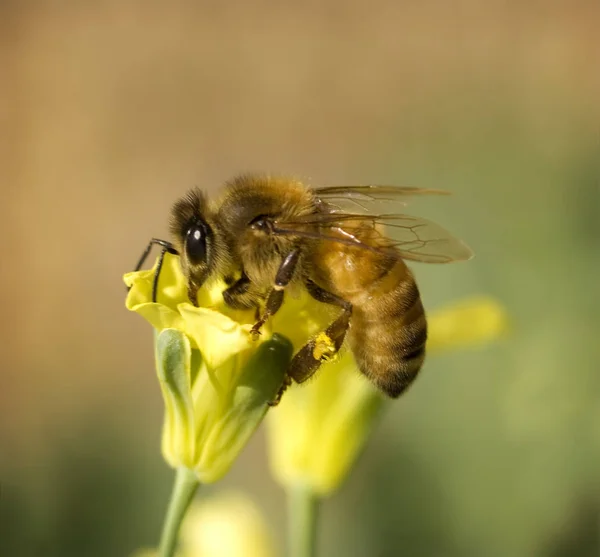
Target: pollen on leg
(324,349)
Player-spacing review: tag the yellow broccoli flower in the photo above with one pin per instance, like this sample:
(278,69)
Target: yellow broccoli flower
(318,430)
(215,379)
(225,525)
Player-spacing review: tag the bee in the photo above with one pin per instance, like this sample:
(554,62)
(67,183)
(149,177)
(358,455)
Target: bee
(276,233)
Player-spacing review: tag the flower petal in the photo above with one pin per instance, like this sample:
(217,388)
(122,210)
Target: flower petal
(159,316)
(235,421)
(217,336)
(172,285)
(468,322)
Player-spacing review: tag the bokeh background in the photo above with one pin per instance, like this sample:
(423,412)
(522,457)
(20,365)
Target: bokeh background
(112,109)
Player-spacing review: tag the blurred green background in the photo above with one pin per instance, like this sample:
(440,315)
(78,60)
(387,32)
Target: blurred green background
(111,110)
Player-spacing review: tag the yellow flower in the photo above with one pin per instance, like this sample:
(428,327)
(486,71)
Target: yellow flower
(225,525)
(215,380)
(319,428)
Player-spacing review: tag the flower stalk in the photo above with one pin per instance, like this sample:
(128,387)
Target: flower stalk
(184,489)
(303,509)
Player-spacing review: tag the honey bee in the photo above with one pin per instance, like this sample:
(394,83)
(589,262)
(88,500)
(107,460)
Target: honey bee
(276,233)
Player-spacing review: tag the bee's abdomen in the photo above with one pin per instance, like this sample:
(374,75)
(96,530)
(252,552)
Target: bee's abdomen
(388,332)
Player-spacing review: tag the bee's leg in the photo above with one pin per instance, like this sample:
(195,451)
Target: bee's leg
(240,294)
(166,247)
(319,349)
(287,381)
(285,273)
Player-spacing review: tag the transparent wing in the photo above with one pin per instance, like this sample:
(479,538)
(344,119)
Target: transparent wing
(369,198)
(407,236)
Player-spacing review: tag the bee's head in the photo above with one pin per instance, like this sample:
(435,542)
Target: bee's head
(200,246)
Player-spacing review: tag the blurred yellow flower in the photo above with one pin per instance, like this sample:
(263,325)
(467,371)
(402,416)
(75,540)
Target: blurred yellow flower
(318,430)
(225,525)
(215,380)
(467,322)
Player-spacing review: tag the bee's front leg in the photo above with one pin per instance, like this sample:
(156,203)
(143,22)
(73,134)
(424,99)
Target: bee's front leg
(165,247)
(285,273)
(241,294)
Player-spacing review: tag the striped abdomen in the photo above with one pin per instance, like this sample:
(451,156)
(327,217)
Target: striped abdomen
(388,330)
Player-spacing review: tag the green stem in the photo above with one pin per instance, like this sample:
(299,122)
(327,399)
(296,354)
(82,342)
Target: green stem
(183,492)
(302,521)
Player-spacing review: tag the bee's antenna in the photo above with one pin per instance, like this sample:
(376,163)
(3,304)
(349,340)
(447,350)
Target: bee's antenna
(166,247)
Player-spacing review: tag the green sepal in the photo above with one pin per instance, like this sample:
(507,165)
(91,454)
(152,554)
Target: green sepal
(173,366)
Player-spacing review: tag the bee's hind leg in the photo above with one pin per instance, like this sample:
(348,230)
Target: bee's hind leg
(326,344)
(320,348)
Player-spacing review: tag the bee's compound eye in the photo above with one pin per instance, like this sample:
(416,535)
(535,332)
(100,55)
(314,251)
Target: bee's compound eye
(261,223)
(195,243)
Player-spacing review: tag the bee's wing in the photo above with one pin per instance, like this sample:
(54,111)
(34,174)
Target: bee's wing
(412,238)
(370,198)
